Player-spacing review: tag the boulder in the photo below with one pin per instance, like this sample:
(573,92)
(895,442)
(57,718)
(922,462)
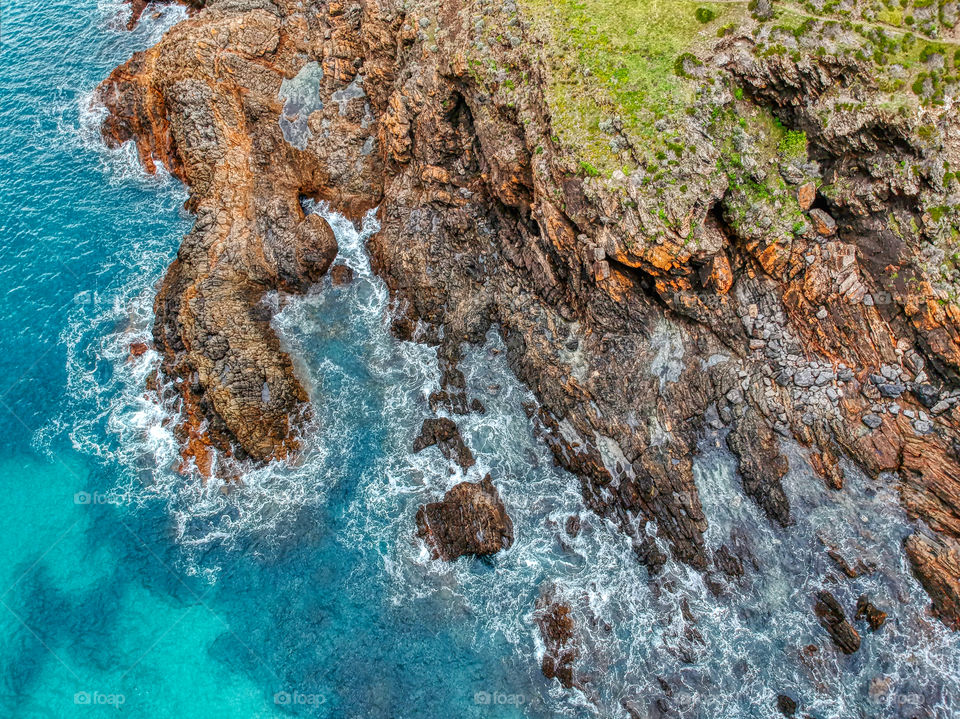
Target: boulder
(868,610)
(786,705)
(341,275)
(806,194)
(823,223)
(471,519)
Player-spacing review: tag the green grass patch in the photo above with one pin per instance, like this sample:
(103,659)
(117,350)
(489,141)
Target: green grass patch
(794,144)
(618,58)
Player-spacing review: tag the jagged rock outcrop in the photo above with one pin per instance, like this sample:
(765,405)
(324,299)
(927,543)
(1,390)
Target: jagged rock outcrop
(471,519)
(833,619)
(443,433)
(696,282)
(557,630)
(866,609)
(936,562)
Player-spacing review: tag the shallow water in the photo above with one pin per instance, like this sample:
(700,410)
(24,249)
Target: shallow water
(126,586)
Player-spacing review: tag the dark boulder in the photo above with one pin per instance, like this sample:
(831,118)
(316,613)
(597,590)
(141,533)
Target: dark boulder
(868,610)
(786,705)
(471,519)
(833,619)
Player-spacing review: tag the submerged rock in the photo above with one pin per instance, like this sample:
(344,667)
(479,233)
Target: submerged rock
(786,705)
(471,519)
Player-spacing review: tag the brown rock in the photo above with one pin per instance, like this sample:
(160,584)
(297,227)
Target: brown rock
(471,519)
(823,223)
(867,610)
(728,563)
(443,433)
(832,619)
(786,705)
(806,194)
(572,526)
(762,466)
(827,466)
(138,349)
(555,622)
(936,564)
(483,224)
(341,275)
(721,276)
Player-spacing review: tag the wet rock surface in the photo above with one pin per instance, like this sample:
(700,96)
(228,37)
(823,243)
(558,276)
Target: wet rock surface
(936,563)
(471,519)
(786,705)
(642,312)
(341,275)
(867,610)
(444,434)
(833,619)
(555,622)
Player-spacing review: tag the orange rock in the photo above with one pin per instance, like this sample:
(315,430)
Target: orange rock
(138,349)
(721,276)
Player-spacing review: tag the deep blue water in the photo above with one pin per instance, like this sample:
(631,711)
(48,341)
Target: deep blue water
(128,587)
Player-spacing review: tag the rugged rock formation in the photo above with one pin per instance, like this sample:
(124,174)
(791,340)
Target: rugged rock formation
(557,630)
(786,705)
(341,275)
(868,610)
(833,619)
(471,519)
(765,252)
(444,434)
(936,562)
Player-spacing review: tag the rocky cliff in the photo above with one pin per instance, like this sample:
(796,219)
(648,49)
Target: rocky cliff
(741,217)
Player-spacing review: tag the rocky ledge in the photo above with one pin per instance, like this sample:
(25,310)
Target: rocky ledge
(762,247)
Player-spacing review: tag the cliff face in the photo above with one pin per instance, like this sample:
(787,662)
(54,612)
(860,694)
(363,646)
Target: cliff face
(753,230)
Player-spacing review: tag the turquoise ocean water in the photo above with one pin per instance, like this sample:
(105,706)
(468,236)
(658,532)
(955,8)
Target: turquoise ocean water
(126,588)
